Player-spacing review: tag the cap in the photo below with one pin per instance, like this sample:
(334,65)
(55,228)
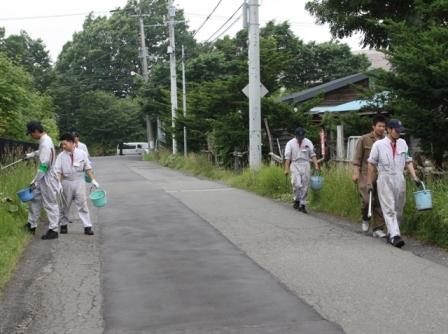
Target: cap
(396,124)
(300,132)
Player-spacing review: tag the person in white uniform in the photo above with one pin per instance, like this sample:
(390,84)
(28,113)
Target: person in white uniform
(390,156)
(299,152)
(80,145)
(70,166)
(45,185)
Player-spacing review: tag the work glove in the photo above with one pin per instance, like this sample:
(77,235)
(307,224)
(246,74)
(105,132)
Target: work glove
(29,156)
(369,188)
(95,183)
(33,186)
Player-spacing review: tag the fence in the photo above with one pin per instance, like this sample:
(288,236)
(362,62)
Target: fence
(14,150)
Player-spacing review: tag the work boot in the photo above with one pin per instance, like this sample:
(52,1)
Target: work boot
(50,235)
(296,205)
(88,231)
(397,241)
(365,226)
(30,229)
(303,209)
(64,229)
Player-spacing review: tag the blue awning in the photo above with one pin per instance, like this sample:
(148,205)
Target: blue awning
(348,106)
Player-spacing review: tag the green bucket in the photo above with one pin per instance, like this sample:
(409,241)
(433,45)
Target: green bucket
(87,178)
(98,198)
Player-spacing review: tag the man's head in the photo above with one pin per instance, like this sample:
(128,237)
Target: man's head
(68,142)
(299,133)
(35,129)
(395,128)
(76,135)
(379,125)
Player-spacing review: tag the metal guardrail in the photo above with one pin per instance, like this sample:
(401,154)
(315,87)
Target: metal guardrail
(14,149)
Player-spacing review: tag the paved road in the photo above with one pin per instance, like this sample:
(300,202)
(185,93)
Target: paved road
(167,270)
(175,254)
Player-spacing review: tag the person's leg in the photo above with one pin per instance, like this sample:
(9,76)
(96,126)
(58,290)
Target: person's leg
(305,174)
(81,204)
(67,202)
(34,209)
(50,204)
(386,193)
(364,194)
(378,219)
(296,182)
(400,200)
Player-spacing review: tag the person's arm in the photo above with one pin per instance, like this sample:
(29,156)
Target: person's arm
(44,165)
(288,157)
(357,160)
(316,164)
(313,155)
(372,163)
(287,165)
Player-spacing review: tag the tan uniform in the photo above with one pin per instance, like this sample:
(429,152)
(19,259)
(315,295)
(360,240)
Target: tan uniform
(362,153)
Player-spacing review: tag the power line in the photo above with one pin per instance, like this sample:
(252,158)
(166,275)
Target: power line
(225,23)
(227,29)
(207,18)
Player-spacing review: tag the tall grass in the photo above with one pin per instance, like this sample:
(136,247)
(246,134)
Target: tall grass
(13,215)
(339,195)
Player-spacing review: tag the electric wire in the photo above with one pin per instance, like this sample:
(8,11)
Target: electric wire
(207,18)
(225,23)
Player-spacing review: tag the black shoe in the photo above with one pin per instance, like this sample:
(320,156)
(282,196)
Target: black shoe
(303,209)
(296,205)
(88,231)
(397,241)
(30,229)
(50,235)
(64,229)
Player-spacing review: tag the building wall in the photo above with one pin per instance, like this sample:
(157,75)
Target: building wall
(345,94)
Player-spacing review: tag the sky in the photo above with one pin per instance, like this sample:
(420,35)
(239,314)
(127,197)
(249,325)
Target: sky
(33,17)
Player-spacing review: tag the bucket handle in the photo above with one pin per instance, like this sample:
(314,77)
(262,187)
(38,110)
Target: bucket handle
(423,185)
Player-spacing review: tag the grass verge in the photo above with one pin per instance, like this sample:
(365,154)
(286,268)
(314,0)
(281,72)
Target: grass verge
(339,196)
(13,215)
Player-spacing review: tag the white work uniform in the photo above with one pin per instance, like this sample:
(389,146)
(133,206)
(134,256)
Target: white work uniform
(83,147)
(47,187)
(72,167)
(391,183)
(300,156)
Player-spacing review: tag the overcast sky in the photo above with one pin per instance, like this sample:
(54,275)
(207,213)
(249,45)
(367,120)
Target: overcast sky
(32,16)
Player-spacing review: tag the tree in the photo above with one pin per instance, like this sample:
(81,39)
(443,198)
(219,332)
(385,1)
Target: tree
(31,54)
(368,17)
(418,84)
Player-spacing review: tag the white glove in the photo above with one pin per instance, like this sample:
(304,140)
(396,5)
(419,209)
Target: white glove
(95,183)
(31,155)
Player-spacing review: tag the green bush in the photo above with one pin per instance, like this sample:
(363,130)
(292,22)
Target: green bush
(13,215)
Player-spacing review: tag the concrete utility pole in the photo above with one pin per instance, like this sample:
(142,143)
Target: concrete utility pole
(184,99)
(172,52)
(145,74)
(254,87)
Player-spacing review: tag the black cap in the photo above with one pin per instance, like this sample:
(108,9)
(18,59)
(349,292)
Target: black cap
(300,132)
(34,126)
(396,124)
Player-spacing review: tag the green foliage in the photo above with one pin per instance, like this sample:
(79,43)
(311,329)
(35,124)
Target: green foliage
(20,102)
(107,120)
(13,214)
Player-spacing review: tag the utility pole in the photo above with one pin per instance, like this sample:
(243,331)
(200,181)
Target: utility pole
(254,87)
(145,74)
(172,52)
(184,99)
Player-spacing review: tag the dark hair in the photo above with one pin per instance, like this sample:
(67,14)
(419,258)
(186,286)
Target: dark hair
(34,126)
(67,137)
(379,119)
(75,134)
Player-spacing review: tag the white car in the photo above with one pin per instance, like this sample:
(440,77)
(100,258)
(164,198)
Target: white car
(132,148)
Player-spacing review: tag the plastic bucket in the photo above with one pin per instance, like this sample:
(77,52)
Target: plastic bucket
(98,198)
(423,199)
(317,182)
(87,178)
(26,194)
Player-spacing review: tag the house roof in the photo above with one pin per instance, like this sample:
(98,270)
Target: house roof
(355,105)
(324,88)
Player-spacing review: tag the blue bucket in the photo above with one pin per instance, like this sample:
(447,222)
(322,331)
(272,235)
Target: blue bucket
(26,194)
(423,199)
(317,182)
(98,198)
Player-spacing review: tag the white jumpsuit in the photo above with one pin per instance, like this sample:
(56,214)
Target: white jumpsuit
(391,182)
(72,167)
(300,156)
(47,186)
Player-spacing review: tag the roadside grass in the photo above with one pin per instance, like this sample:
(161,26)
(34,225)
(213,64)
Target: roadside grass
(13,215)
(339,195)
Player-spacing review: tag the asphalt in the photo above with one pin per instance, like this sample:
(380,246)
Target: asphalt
(166,270)
(176,254)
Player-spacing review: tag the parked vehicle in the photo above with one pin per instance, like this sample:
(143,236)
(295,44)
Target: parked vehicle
(132,148)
